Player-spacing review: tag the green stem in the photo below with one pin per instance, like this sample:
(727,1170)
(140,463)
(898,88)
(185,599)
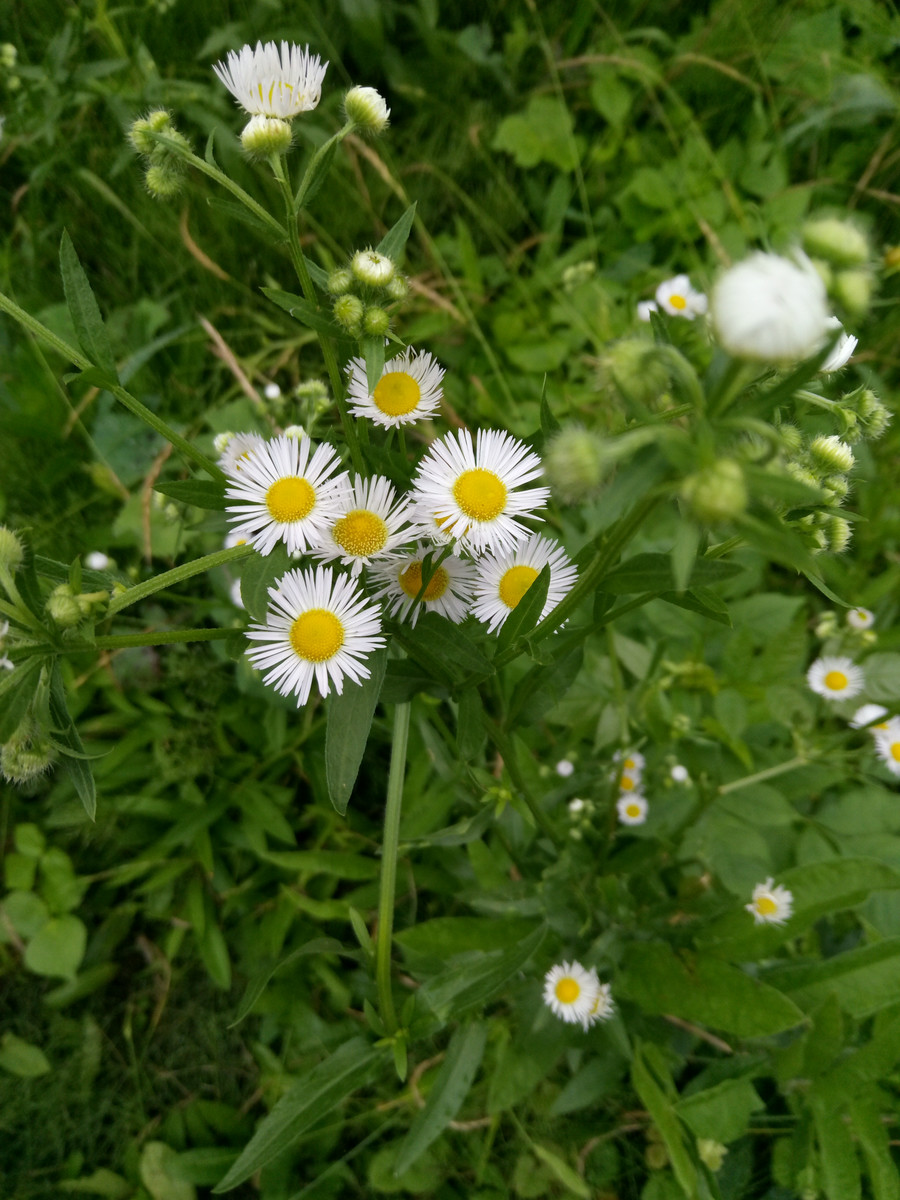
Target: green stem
(169,578)
(769,773)
(122,641)
(389,851)
(70,354)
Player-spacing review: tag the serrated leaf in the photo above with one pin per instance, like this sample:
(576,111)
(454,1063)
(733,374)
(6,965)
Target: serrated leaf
(17,690)
(396,237)
(84,310)
(257,985)
(350,718)
(301,310)
(527,612)
(320,1090)
(201,493)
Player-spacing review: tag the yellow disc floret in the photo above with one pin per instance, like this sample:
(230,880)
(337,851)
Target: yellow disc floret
(766,906)
(678,302)
(290,499)
(396,394)
(895,751)
(515,583)
(411,581)
(568,990)
(633,810)
(317,635)
(836,681)
(360,532)
(480,494)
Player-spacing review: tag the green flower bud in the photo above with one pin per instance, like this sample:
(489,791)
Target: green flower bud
(873,416)
(838,532)
(717,492)
(575,465)
(839,242)
(340,281)
(11,551)
(263,136)
(791,438)
(656,1156)
(63,607)
(376,322)
(836,488)
(824,271)
(398,288)
(366,109)
(831,454)
(633,366)
(141,131)
(314,392)
(348,311)
(711,1153)
(162,182)
(802,475)
(220,442)
(27,754)
(372,268)
(854,290)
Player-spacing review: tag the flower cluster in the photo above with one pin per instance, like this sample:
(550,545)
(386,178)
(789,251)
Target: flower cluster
(455,543)
(631,805)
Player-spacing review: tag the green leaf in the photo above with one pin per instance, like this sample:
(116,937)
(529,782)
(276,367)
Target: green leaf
(320,1091)
(465,986)
(444,937)
(77,768)
(646,1081)
(545,686)
(544,132)
(447,1094)
(257,985)
(201,493)
(57,948)
(721,1112)
(865,1118)
(527,612)
(17,690)
(350,716)
(301,310)
(214,954)
(864,980)
(653,573)
(373,353)
(156,1159)
(882,671)
(470,726)
(443,648)
(84,310)
(549,423)
(396,237)
(569,1178)
(705,991)
(700,600)
(203,1165)
(21,1058)
(684,553)
(101,1182)
(316,174)
(259,573)
(837,1155)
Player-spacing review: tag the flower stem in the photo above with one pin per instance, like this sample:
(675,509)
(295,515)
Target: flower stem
(768,773)
(169,578)
(122,641)
(389,849)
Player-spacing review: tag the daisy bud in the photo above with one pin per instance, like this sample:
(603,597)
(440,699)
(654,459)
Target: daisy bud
(831,453)
(839,533)
(340,281)
(656,1156)
(398,288)
(835,487)
(272,391)
(141,132)
(839,242)
(366,109)
(264,136)
(711,1153)
(27,754)
(873,415)
(11,552)
(376,322)
(162,182)
(575,465)
(635,369)
(854,290)
(372,268)
(63,607)
(770,309)
(348,311)
(295,431)
(220,442)
(716,493)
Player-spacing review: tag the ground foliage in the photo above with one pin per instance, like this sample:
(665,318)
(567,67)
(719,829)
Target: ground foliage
(199,955)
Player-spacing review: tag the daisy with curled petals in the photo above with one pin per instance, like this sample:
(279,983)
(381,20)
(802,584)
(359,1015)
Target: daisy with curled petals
(284,494)
(448,591)
(371,523)
(770,905)
(319,626)
(835,678)
(887,745)
(571,993)
(860,618)
(870,717)
(473,488)
(409,389)
(269,82)
(677,298)
(237,449)
(632,809)
(504,579)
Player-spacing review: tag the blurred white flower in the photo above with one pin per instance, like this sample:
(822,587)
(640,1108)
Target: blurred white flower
(770,905)
(676,297)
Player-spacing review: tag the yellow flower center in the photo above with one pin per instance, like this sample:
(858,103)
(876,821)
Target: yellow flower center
(480,494)
(360,532)
(895,751)
(411,582)
(766,906)
(396,394)
(629,764)
(317,635)
(626,783)
(515,583)
(290,499)
(678,302)
(568,990)
(633,809)
(836,681)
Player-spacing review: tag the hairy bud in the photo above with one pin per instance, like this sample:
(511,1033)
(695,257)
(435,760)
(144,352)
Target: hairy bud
(575,465)
(717,492)
(263,136)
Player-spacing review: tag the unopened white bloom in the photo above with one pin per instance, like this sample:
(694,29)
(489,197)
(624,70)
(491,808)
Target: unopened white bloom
(676,297)
(271,391)
(770,309)
(234,591)
(835,677)
(860,618)
(680,774)
(770,905)
(576,805)
(564,768)
(869,716)
(366,108)
(98,561)
(831,453)
(236,449)
(372,268)
(843,348)
(273,83)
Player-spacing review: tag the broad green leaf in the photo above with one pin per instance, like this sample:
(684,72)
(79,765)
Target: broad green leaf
(549,423)
(863,980)
(527,612)
(101,1182)
(684,553)
(463,987)
(706,991)
(700,600)
(870,1131)
(440,645)
(653,573)
(882,672)
(396,237)
(545,686)
(470,726)
(25,911)
(721,1112)
(350,716)
(84,984)
(17,690)
(258,574)
(304,312)
(447,1094)
(57,948)
(373,353)
(202,1166)
(544,132)
(655,1098)
(202,493)
(21,1058)
(837,1155)
(156,1159)
(321,1089)
(257,985)
(84,310)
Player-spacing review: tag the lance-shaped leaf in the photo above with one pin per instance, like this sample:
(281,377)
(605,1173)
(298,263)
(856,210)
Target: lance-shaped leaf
(84,310)
(350,718)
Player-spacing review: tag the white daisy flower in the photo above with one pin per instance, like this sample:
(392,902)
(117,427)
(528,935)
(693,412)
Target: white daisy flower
(680,774)
(770,309)
(96,560)
(571,993)
(272,391)
(835,678)
(565,768)
(887,745)
(632,809)
(272,83)
(284,493)
(630,760)
(770,905)
(645,308)
(473,488)
(860,618)
(576,805)
(408,390)
(319,626)
(235,449)
(234,539)
(371,523)
(677,298)
(505,578)
(869,716)
(843,348)
(398,583)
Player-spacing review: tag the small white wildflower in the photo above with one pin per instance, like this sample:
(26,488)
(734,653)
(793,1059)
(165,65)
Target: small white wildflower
(270,82)
(680,774)
(565,768)
(887,745)
(770,905)
(860,618)
(96,560)
(835,678)
(632,809)
(677,298)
